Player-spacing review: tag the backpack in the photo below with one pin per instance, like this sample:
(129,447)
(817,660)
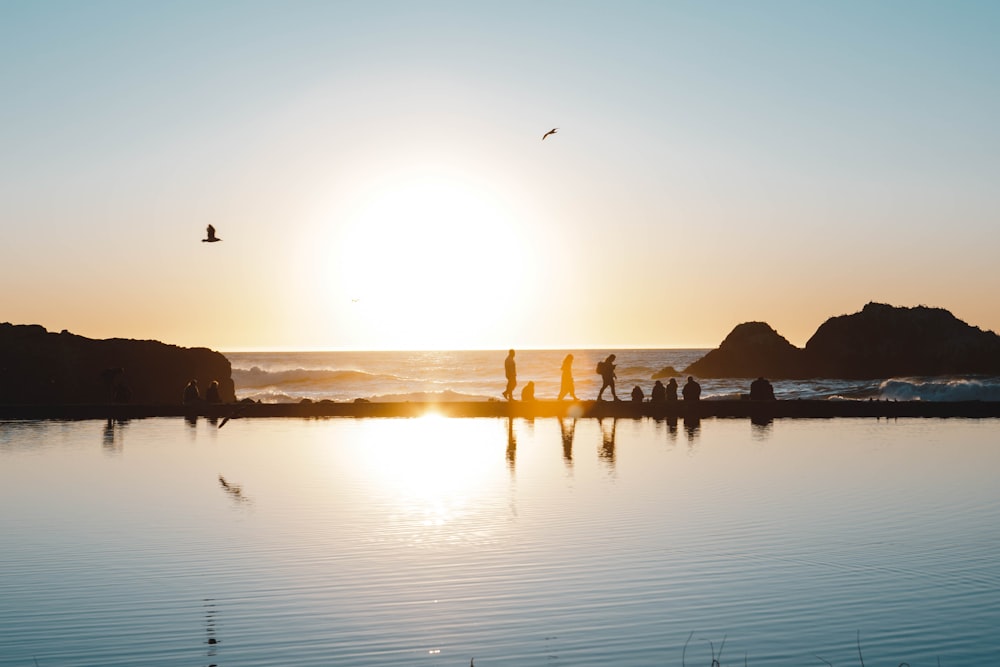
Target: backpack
(600,368)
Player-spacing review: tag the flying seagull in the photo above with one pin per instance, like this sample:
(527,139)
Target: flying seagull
(552,131)
(212,238)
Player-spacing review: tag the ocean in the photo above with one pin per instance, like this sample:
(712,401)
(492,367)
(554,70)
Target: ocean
(283,377)
(501,542)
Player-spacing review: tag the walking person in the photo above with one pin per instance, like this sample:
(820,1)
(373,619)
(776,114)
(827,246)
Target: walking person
(607,370)
(510,370)
(566,385)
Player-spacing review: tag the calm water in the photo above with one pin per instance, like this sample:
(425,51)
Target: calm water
(433,541)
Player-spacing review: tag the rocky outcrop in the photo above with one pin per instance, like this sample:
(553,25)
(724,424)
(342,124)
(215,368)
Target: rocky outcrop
(884,341)
(752,349)
(39,367)
(881,341)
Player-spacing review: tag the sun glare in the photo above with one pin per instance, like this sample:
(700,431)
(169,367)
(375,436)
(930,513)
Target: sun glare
(433,475)
(431,262)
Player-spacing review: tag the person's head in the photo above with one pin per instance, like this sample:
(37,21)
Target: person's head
(511,352)
(569,357)
(690,379)
(611,357)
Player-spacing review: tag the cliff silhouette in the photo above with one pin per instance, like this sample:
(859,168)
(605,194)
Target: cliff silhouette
(39,367)
(880,341)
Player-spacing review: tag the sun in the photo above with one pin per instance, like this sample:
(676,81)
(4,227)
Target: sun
(432,261)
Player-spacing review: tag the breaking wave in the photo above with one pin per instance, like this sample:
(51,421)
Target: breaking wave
(941,389)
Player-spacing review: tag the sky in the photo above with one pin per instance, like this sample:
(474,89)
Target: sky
(377,174)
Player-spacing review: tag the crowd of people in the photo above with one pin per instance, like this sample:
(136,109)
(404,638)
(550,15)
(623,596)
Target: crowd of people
(760,389)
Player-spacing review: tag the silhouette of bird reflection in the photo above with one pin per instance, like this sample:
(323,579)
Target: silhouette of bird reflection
(210,236)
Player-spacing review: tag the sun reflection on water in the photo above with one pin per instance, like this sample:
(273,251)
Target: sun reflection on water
(437,480)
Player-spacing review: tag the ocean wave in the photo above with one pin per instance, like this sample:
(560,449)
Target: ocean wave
(257,377)
(941,389)
(427,397)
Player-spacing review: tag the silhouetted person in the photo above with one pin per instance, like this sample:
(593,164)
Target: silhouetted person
(528,393)
(761,390)
(607,370)
(191,393)
(637,394)
(692,390)
(566,385)
(122,394)
(672,389)
(659,393)
(510,370)
(212,393)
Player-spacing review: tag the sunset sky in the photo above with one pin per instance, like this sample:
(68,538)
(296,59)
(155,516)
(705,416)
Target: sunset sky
(377,174)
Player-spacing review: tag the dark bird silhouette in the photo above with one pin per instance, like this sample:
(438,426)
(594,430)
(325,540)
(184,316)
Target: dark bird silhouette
(211,237)
(552,131)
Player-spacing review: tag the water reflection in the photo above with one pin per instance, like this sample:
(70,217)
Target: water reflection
(692,428)
(211,640)
(112,437)
(235,491)
(567,428)
(607,451)
(671,423)
(760,427)
(511,445)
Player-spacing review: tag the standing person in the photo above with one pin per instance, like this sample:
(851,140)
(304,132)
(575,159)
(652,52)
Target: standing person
(607,370)
(510,370)
(692,390)
(566,386)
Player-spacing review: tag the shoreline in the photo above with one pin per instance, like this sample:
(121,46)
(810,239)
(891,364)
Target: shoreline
(800,408)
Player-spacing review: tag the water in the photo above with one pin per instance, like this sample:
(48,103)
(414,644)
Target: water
(400,376)
(432,541)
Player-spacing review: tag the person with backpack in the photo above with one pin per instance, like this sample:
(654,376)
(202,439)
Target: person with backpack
(606,369)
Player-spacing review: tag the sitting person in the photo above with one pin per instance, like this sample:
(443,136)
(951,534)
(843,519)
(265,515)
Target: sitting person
(692,390)
(659,393)
(191,393)
(528,393)
(212,393)
(672,389)
(761,390)
(637,395)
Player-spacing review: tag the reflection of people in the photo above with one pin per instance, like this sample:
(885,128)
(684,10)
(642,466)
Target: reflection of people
(528,393)
(607,370)
(761,390)
(566,385)
(672,389)
(212,393)
(567,439)
(692,390)
(510,370)
(191,393)
(659,393)
(637,395)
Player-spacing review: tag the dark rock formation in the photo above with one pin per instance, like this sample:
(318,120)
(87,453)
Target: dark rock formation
(881,341)
(751,350)
(38,367)
(666,372)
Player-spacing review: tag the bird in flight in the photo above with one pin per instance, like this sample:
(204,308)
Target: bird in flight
(552,131)
(211,237)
